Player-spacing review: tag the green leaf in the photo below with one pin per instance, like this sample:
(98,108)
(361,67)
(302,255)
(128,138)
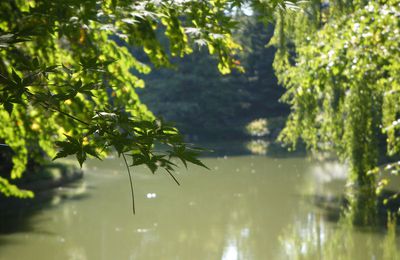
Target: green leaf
(51,68)
(81,156)
(16,77)
(73,146)
(137,159)
(91,151)
(67,148)
(152,166)
(186,155)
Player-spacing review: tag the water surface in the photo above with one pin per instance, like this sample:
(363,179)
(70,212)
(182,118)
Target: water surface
(246,207)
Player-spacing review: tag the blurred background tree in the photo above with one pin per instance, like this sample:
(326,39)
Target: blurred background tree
(209,106)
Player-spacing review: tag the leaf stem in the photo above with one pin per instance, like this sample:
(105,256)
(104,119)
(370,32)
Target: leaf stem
(173,177)
(48,106)
(70,116)
(130,181)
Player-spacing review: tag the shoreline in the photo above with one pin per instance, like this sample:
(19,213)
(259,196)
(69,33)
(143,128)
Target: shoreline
(45,184)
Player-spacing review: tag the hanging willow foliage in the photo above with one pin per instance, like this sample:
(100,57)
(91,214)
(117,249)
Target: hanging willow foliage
(340,63)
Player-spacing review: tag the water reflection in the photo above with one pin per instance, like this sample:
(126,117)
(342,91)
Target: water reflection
(17,215)
(334,230)
(258,147)
(312,238)
(250,207)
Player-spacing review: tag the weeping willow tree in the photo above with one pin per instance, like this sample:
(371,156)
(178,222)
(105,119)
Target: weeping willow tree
(340,63)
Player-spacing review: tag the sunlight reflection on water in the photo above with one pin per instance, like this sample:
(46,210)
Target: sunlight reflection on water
(230,251)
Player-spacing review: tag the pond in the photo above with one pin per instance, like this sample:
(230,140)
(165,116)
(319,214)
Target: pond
(245,207)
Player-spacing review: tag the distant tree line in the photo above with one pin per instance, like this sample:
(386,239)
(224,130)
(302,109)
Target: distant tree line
(205,104)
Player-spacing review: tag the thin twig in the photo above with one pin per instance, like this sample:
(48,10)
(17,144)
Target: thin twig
(173,177)
(130,180)
(70,116)
(48,106)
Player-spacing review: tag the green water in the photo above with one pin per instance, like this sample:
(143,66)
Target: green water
(246,207)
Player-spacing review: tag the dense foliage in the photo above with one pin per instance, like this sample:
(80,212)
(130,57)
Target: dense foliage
(340,61)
